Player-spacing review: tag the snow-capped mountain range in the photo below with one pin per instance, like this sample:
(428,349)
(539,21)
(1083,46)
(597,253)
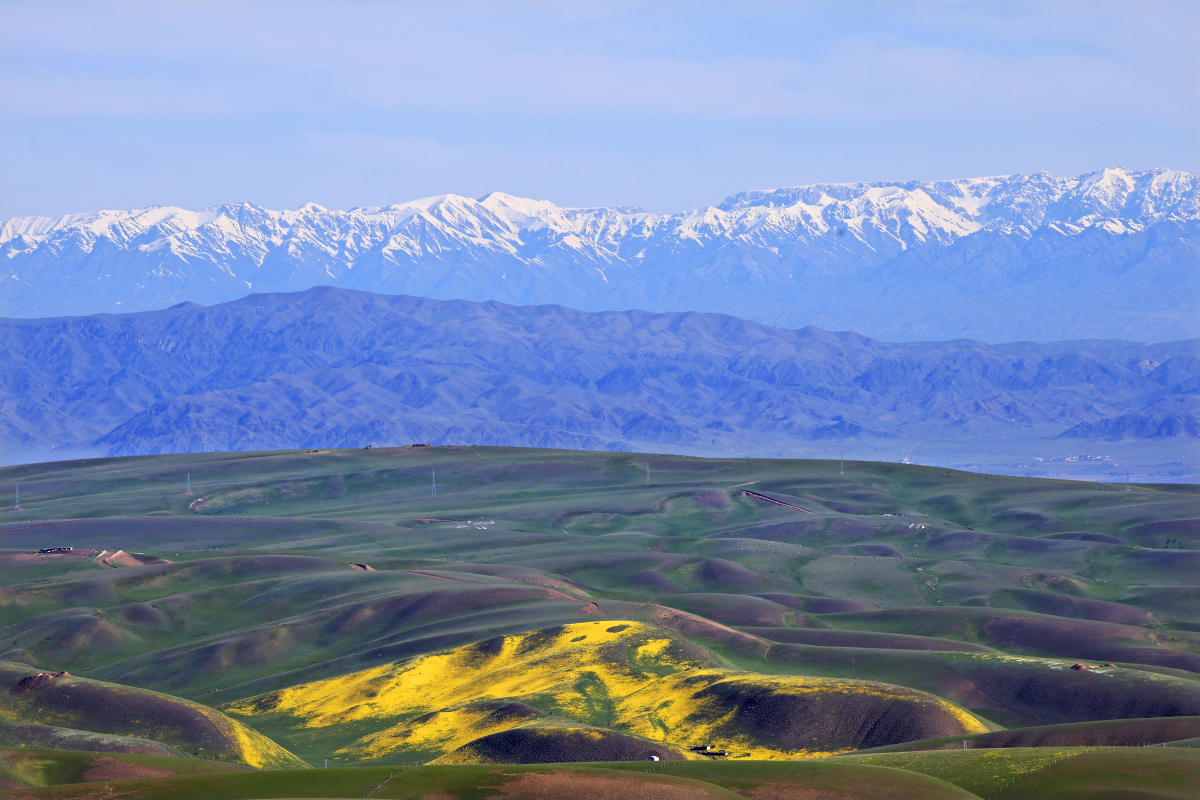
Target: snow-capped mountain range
(1109,254)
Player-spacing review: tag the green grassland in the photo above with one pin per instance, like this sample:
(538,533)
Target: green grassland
(1047,771)
(679,781)
(981,590)
(34,767)
(1025,773)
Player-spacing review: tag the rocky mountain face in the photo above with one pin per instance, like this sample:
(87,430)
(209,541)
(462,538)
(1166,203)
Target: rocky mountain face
(1110,254)
(333,367)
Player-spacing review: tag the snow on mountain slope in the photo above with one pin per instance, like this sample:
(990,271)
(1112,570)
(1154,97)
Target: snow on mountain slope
(1110,253)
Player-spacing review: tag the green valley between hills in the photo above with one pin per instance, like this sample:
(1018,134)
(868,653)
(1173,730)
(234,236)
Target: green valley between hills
(762,628)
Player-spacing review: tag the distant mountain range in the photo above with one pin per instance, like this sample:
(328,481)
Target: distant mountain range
(335,367)
(1109,254)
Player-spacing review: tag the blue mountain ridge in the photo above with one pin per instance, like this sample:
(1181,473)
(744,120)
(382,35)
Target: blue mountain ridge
(331,367)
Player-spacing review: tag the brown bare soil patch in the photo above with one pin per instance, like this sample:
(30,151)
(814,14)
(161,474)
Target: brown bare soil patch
(362,567)
(107,768)
(34,681)
(121,558)
(582,786)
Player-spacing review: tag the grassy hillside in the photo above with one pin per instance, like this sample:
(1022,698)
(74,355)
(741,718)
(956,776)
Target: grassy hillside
(1044,772)
(1104,733)
(32,767)
(714,600)
(680,781)
(52,737)
(79,704)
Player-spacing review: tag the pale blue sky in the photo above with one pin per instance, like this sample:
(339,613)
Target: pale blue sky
(664,105)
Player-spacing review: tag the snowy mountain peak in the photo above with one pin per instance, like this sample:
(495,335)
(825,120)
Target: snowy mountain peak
(787,256)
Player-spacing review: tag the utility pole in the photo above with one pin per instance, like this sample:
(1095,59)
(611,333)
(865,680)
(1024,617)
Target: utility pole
(17,507)
(189,484)
(435,483)
(842,462)
(1127,481)
(647,473)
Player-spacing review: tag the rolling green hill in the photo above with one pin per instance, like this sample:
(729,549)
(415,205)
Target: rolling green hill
(82,705)
(998,603)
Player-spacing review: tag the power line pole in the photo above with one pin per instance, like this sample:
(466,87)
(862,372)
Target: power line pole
(647,473)
(842,462)
(435,483)
(1127,481)
(17,507)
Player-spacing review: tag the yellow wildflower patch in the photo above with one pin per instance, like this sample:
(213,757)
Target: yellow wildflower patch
(626,676)
(252,748)
(616,659)
(440,731)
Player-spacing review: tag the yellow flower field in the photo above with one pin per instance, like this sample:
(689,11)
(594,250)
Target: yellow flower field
(626,676)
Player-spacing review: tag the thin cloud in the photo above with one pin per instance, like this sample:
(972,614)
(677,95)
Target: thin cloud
(657,103)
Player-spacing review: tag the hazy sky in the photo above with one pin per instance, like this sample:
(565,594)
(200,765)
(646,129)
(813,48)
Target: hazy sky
(667,106)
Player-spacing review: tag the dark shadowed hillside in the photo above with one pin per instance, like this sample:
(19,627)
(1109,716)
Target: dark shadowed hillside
(553,605)
(333,367)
